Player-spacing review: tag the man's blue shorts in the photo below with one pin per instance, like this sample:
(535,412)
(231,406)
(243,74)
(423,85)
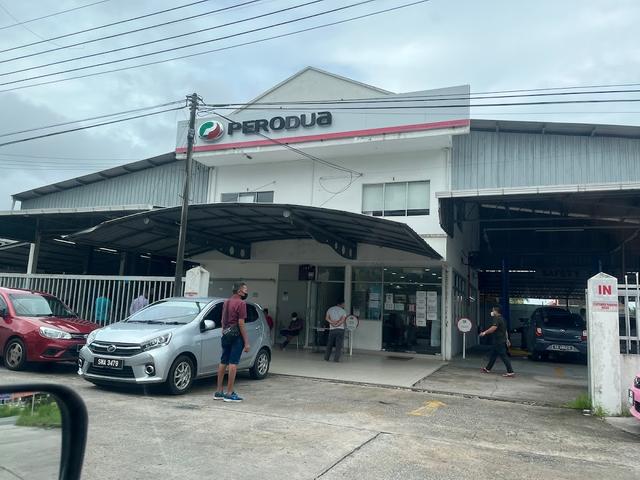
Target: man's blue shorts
(232,350)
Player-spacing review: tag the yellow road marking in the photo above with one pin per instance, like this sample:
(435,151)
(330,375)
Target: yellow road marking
(428,409)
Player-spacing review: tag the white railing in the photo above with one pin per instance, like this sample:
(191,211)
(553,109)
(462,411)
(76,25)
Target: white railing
(629,295)
(103,299)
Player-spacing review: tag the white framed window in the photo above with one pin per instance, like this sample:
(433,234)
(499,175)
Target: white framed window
(247,197)
(397,199)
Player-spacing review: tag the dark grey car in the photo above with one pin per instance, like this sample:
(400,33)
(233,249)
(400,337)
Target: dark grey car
(556,330)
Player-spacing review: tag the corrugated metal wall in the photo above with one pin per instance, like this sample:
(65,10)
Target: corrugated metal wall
(160,186)
(500,160)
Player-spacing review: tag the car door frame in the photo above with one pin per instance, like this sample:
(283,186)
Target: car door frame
(210,341)
(255,332)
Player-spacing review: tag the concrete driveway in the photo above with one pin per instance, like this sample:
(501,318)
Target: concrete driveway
(298,428)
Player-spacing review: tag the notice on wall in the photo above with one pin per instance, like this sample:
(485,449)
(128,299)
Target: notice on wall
(432,306)
(389,306)
(421,308)
(388,298)
(374,297)
(399,307)
(374,304)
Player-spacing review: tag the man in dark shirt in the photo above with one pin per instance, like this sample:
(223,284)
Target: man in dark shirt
(295,327)
(234,341)
(498,331)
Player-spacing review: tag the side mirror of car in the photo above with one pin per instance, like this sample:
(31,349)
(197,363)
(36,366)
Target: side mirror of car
(45,418)
(207,325)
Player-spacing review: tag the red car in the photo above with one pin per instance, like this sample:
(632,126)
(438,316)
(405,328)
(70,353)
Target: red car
(38,327)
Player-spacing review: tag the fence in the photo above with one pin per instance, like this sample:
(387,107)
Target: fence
(629,294)
(102,299)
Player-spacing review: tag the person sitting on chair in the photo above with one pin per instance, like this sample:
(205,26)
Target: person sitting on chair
(295,327)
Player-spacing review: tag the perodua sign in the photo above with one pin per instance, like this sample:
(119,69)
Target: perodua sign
(383,117)
(212,131)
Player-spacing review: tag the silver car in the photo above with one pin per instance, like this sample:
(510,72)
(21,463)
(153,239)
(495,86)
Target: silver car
(172,341)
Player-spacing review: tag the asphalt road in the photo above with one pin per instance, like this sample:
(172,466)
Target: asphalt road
(305,429)
(28,453)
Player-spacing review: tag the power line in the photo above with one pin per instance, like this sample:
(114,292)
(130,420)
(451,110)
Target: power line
(173,37)
(416,107)
(101,26)
(252,42)
(300,152)
(86,127)
(19,23)
(22,155)
(99,117)
(106,37)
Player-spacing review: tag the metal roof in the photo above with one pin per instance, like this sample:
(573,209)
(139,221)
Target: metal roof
(97,176)
(557,128)
(22,225)
(232,228)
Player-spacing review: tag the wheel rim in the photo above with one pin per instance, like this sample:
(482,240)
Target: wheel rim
(182,375)
(263,363)
(14,355)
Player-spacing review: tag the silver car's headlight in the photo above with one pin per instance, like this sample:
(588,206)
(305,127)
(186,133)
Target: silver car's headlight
(160,341)
(49,332)
(92,337)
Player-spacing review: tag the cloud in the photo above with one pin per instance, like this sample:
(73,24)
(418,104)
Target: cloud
(493,45)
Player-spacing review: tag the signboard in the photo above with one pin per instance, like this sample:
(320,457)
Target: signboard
(351,323)
(318,122)
(432,306)
(306,272)
(421,308)
(464,325)
(603,292)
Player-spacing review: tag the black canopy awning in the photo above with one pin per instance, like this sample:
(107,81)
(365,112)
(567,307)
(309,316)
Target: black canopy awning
(232,228)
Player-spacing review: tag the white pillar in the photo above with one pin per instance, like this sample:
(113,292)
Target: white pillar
(197,283)
(347,288)
(34,252)
(603,343)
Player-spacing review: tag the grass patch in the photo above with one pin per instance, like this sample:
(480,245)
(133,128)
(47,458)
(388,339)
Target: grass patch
(46,415)
(582,402)
(599,412)
(9,411)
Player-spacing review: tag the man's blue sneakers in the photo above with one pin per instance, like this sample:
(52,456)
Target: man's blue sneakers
(232,397)
(218,396)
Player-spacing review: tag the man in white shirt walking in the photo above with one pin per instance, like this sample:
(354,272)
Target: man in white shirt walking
(336,317)
(138,304)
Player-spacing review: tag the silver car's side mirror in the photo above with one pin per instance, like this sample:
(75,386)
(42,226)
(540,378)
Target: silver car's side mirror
(48,419)
(207,325)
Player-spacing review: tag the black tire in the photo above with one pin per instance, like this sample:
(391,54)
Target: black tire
(15,355)
(180,376)
(260,368)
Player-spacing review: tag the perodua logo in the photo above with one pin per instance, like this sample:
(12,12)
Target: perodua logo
(211,131)
(111,348)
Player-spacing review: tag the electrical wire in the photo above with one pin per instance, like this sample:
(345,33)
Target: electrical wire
(300,152)
(18,23)
(252,42)
(53,15)
(115,35)
(101,26)
(180,47)
(22,155)
(86,127)
(99,117)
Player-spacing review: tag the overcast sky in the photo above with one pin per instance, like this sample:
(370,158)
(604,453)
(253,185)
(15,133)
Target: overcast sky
(489,44)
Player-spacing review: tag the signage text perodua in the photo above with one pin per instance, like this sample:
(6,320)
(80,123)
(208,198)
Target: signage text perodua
(275,124)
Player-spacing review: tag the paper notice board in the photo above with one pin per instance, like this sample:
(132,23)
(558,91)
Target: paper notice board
(432,306)
(421,308)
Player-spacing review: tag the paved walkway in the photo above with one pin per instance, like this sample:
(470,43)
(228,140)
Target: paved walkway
(376,369)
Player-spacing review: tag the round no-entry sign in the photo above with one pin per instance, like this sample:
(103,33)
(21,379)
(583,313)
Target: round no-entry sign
(464,325)
(351,322)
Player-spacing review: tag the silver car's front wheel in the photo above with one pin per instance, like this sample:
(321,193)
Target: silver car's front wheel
(180,375)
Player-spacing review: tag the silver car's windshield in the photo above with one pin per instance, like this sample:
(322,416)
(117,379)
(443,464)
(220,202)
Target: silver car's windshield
(169,312)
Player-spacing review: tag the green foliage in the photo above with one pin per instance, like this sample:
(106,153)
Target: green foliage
(9,411)
(582,402)
(45,415)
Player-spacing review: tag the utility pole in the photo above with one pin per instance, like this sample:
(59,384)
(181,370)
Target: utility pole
(182,240)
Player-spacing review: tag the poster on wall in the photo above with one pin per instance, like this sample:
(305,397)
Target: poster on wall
(421,308)
(432,306)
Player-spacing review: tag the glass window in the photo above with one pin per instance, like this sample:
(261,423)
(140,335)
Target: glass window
(169,311)
(252,314)
(31,305)
(418,198)
(330,274)
(416,275)
(215,314)
(229,197)
(264,197)
(372,203)
(395,199)
(246,197)
(367,274)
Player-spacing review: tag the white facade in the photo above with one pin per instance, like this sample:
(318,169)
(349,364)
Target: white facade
(381,148)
